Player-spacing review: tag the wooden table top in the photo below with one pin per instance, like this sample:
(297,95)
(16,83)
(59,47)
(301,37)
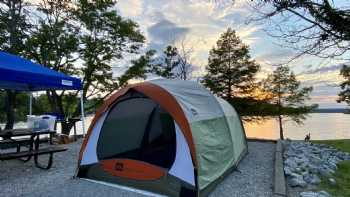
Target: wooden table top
(23,132)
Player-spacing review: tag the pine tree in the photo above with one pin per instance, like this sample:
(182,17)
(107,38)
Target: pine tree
(344,95)
(167,65)
(285,92)
(230,69)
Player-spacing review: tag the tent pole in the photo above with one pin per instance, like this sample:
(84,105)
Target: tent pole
(82,111)
(30,103)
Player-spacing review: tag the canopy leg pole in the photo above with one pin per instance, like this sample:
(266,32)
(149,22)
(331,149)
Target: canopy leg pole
(82,112)
(30,103)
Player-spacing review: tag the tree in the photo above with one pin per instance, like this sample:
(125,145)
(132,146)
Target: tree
(171,64)
(139,68)
(167,64)
(315,27)
(105,38)
(54,43)
(185,58)
(13,34)
(285,92)
(231,72)
(344,95)
(82,38)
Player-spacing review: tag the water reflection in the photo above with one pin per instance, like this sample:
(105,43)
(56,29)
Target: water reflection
(319,125)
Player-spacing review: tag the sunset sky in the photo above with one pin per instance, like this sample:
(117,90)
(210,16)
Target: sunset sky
(200,22)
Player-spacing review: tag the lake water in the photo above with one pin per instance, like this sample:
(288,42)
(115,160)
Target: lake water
(319,125)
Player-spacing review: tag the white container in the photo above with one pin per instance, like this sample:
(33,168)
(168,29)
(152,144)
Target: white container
(50,120)
(32,121)
(39,123)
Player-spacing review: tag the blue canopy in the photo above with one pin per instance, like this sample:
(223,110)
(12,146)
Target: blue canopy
(17,73)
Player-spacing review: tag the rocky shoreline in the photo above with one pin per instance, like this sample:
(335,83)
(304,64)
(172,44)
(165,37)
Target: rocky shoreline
(305,163)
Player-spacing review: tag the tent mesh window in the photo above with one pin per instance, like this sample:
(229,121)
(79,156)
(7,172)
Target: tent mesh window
(137,128)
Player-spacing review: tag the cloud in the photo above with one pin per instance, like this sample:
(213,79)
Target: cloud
(131,8)
(324,69)
(164,33)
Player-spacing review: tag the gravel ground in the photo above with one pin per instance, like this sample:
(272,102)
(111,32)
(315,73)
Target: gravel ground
(253,178)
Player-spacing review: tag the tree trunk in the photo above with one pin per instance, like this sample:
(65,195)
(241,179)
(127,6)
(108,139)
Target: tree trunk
(10,112)
(281,127)
(56,105)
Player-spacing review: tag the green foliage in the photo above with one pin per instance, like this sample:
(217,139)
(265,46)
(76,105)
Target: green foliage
(105,38)
(170,64)
(54,43)
(20,107)
(139,68)
(167,65)
(14,26)
(344,95)
(231,72)
(14,30)
(311,26)
(283,90)
(82,38)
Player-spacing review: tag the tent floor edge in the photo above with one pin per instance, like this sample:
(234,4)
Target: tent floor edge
(167,185)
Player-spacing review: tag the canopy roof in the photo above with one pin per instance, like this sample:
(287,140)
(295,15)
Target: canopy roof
(17,73)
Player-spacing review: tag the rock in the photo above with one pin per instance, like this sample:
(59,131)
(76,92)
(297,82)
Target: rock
(297,169)
(313,169)
(294,175)
(287,171)
(332,181)
(315,160)
(315,194)
(312,179)
(304,163)
(298,181)
(323,194)
(291,163)
(325,171)
(308,194)
(332,166)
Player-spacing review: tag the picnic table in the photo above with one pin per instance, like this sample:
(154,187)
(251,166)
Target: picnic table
(16,137)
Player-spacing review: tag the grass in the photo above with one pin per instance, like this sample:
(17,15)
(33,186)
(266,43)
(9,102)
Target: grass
(342,174)
(343,145)
(342,178)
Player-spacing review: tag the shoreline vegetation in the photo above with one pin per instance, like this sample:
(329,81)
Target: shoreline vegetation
(342,174)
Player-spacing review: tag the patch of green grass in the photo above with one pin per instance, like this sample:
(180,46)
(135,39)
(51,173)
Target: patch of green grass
(342,178)
(343,145)
(342,174)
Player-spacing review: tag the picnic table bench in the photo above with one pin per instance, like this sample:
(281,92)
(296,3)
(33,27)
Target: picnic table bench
(34,149)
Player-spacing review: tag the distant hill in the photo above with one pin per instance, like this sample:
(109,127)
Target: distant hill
(331,110)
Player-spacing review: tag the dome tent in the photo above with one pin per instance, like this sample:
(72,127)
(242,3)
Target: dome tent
(165,136)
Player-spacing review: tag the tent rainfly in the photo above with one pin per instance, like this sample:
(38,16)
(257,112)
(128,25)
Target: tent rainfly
(168,137)
(20,74)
